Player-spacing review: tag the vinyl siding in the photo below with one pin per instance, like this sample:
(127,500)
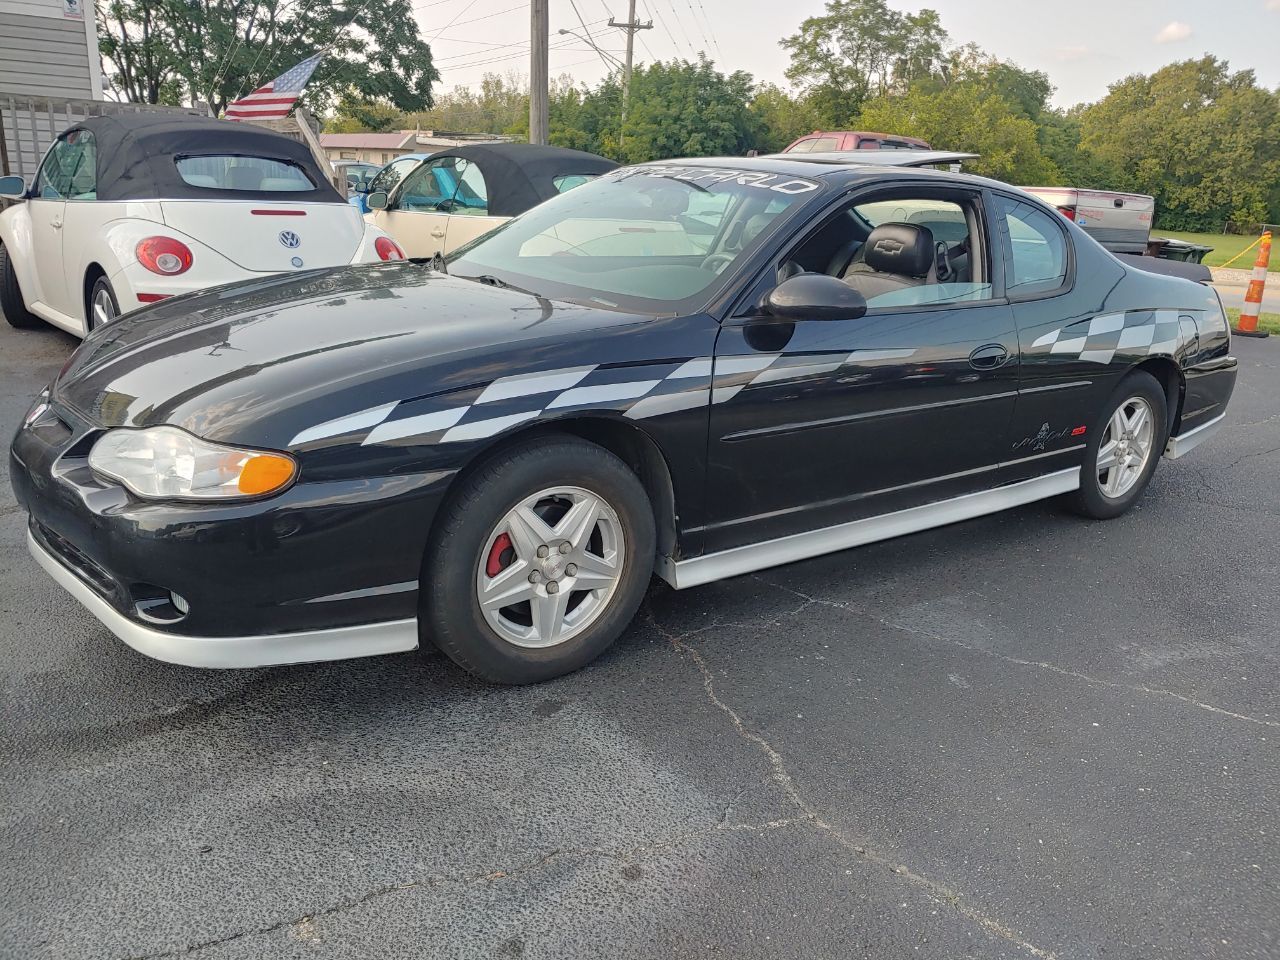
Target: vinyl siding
(43,56)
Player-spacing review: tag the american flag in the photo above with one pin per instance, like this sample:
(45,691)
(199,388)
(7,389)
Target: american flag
(274,100)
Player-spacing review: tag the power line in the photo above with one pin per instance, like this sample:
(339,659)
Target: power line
(485,60)
(707,21)
(654,14)
(680,23)
(454,20)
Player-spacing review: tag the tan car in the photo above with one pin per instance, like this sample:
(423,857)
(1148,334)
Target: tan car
(456,196)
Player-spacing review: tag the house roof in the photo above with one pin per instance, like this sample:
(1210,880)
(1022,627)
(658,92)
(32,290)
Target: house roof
(368,141)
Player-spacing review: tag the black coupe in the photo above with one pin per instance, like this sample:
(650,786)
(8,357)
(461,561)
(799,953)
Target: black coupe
(694,368)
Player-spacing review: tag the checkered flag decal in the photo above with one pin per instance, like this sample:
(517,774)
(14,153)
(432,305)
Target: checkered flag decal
(1097,339)
(642,392)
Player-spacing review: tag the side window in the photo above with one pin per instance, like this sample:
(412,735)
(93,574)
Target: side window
(804,146)
(1038,249)
(868,143)
(70,171)
(423,190)
(824,145)
(471,198)
(906,251)
(391,175)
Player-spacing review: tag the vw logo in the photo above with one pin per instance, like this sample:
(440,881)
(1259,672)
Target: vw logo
(290,239)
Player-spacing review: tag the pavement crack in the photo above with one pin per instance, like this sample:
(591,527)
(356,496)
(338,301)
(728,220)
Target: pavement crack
(810,815)
(1040,664)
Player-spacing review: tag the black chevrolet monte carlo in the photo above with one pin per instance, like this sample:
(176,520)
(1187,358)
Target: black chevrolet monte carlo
(696,369)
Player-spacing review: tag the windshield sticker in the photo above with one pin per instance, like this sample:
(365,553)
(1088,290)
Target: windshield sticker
(712,175)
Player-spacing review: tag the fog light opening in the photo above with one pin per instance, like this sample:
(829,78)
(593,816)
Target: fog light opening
(179,603)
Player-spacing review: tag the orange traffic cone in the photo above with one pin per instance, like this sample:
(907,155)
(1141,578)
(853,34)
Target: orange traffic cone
(1253,296)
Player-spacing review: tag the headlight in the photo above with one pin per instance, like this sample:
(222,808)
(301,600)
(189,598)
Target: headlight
(164,463)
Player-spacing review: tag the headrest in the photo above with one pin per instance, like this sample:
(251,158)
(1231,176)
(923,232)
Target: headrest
(902,248)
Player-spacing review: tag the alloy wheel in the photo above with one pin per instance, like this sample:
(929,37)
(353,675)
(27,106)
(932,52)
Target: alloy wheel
(1125,448)
(104,308)
(550,567)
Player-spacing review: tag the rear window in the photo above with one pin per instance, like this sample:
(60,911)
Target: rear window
(250,174)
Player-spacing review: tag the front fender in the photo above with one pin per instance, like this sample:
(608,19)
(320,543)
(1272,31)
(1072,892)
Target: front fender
(16,237)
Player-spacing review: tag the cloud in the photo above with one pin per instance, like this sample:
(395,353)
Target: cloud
(1173,32)
(1072,54)
(1273,4)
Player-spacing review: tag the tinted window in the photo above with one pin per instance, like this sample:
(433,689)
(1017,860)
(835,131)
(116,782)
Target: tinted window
(867,143)
(70,170)
(250,174)
(1039,249)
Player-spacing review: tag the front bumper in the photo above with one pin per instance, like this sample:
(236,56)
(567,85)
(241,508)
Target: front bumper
(302,646)
(325,570)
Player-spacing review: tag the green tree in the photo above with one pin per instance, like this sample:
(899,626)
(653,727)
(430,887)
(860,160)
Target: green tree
(782,118)
(355,115)
(170,51)
(965,117)
(1203,141)
(858,49)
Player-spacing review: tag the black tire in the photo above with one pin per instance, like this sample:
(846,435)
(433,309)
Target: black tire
(11,303)
(451,616)
(101,285)
(1090,500)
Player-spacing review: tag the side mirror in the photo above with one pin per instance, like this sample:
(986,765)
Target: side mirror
(13,188)
(815,296)
(376,200)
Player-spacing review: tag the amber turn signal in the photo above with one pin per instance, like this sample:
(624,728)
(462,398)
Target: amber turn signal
(265,473)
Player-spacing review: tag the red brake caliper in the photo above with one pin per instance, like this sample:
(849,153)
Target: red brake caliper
(501,554)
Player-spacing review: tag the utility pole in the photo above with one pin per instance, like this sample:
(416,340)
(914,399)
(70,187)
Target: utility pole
(631,26)
(539,72)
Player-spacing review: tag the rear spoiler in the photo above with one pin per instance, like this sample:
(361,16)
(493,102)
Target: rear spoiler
(1168,268)
(879,158)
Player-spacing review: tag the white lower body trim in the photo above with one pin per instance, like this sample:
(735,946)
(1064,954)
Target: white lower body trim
(1182,445)
(227,652)
(801,546)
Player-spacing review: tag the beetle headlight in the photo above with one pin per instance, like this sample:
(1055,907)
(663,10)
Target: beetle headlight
(163,463)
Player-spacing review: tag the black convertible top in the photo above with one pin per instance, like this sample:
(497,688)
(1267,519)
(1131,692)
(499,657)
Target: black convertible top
(522,175)
(136,153)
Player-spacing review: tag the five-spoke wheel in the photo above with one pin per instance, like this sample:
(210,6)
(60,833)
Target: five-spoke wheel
(1123,449)
(538,560)
(552,566)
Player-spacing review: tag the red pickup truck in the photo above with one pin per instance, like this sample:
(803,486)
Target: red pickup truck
(838,141)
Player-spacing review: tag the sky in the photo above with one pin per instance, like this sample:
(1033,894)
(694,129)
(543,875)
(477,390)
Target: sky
(1096,43)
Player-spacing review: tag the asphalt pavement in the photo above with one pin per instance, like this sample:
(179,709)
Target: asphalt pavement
(1025,736)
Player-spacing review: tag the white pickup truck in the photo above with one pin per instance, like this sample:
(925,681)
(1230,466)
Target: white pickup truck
(1121,222)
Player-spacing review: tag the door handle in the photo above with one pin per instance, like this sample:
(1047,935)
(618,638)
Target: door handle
(988,356)
(437,233)
(56,223)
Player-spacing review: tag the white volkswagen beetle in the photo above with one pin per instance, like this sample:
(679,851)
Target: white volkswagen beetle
(130,209)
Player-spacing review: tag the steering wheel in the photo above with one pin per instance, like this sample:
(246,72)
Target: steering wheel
(717,261)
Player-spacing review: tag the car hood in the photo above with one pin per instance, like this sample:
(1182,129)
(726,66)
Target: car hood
(253,361)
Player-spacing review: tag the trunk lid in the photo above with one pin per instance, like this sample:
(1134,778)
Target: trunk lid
(264,235)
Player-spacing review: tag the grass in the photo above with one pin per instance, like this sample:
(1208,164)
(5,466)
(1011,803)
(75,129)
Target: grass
(1225,246)
(1270,322)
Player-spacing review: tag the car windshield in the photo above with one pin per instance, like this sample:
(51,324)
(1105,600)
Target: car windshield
(651,239)
(243,173)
